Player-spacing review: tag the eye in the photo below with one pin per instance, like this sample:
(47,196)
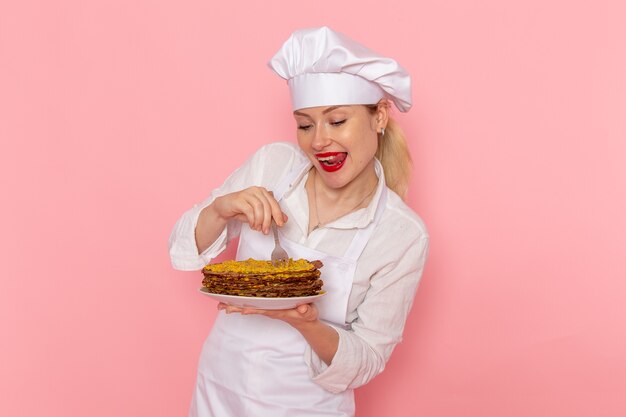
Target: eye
(304,127)
(338,123)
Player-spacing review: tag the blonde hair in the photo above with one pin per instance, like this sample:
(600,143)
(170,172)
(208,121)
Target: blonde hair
(393,154)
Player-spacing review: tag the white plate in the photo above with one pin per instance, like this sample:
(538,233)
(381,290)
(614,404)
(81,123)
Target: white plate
(264,303)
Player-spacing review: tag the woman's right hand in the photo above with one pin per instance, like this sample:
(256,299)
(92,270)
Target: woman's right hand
(254,205)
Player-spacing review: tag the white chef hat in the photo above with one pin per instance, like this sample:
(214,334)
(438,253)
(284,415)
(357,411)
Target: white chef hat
(325,68)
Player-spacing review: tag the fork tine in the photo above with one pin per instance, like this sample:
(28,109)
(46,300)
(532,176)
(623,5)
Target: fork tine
(279,254)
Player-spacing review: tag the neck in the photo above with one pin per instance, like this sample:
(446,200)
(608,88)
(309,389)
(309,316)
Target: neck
(354,191)
(328,204)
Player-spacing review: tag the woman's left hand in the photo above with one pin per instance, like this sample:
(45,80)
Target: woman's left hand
(302,314)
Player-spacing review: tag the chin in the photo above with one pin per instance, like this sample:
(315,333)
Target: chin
(334,180)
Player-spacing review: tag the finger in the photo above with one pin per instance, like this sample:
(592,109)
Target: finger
(277,212)
(303,308)
(311,313)
(243,210)
(232,309)
(241,217)
(256,202)
(250,210)
(248,310)
(266,198)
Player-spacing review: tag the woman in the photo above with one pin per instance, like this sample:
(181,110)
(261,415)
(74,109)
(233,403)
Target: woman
(336,198)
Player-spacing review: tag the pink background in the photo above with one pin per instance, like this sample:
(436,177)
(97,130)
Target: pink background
(116,116)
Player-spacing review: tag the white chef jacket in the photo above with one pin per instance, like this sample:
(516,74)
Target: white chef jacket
(387,274)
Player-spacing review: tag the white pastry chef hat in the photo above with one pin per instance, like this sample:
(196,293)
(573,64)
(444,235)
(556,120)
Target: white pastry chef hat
(325,68)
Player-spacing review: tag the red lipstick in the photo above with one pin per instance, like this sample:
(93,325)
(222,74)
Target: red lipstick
(331,161)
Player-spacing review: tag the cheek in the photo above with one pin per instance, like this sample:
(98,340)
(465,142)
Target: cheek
(369,150)
(364,153)
(305,144)
(302,140)
(369,143)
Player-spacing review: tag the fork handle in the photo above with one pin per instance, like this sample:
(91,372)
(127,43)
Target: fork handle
(275,231)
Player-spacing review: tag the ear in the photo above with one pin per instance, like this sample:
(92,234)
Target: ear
(382,114)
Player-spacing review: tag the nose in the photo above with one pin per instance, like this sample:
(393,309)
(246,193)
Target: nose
(322,137)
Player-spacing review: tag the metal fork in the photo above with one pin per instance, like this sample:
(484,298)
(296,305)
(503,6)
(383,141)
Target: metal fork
(278,254)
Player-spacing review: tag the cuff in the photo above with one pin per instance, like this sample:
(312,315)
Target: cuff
(336,376)
(188,262)
(182,244)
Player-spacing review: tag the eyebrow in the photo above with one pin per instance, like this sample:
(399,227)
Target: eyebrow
(328,110)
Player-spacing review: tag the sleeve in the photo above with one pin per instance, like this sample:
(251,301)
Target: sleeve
(262,169)
(364,350)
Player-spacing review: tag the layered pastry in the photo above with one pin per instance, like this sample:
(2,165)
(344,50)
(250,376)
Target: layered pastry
(254,278)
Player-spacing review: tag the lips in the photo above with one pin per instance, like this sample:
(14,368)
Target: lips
(331,161)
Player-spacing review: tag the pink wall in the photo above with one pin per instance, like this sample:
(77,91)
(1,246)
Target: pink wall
(116,116)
